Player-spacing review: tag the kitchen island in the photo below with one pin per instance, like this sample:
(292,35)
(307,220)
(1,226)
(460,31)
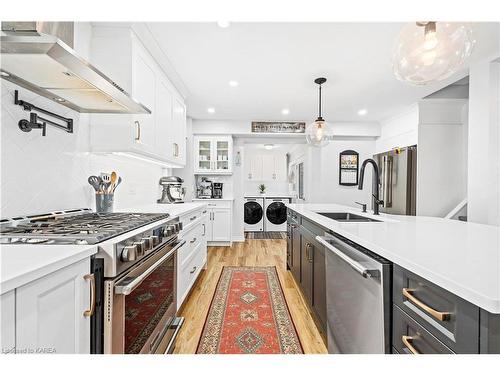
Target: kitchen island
(460,261)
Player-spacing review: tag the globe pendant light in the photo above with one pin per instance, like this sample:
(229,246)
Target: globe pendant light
(427,52)
(318,133)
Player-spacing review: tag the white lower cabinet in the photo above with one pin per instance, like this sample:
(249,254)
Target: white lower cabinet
(192,256)
(8,322)
(49,315)
(219,224)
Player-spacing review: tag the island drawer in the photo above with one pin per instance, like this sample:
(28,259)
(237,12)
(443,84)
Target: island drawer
(448,317)
(409,337)
(313,228)
(219,204)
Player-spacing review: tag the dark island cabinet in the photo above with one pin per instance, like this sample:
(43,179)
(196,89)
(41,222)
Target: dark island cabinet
(306,262)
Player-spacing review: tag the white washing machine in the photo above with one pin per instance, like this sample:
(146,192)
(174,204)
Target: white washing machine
(254,214)
(275,214)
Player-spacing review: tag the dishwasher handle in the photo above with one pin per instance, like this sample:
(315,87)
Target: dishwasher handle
(359,268)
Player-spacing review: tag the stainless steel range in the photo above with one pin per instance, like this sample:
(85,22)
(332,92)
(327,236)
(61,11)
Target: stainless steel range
(135,295)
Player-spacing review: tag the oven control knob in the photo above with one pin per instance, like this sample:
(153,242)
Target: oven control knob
(148,242)
(129,253)
(141,247)
(171,230)
(155,240)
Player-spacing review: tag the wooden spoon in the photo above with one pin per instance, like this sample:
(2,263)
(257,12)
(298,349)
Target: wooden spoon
(112,181)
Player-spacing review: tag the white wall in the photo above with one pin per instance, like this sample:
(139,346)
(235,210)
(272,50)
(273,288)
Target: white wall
(441,156)
(41,174)
(398,131)
(484,144)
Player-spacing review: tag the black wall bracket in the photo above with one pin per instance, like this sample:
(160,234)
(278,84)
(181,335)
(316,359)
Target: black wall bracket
(38,122)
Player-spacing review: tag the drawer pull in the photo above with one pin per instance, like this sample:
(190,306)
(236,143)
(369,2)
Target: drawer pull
(193,240)
(192,218)
(407,341)
(193,270)
(436,314)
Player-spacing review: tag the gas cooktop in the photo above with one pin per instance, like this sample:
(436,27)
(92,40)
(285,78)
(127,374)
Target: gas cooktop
(80,226)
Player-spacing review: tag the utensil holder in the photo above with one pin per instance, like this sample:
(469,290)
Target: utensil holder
(104,202)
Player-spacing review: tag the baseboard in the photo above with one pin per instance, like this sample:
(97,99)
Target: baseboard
(239,239)
(219,243)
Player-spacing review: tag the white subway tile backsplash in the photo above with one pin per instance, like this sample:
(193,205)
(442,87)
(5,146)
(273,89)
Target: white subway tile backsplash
(41,174)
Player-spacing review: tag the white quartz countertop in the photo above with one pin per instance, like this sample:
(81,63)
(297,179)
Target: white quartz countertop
(21,264)
(177,209)
(461,257)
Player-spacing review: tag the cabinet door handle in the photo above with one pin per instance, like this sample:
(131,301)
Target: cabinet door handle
(193,240)
(192,218)
(407,341)
(90,312)
(176,149)
(249,176)
(193,270)
(274,176)
(308,252)
(408,293)
(204,229)
(138,130)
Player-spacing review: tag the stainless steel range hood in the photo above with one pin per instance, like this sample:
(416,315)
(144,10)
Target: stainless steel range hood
(39,57)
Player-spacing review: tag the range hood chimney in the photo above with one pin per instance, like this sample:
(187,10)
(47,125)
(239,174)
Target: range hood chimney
(39,56)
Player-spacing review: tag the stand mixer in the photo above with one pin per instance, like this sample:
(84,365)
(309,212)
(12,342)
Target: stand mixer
(173,191)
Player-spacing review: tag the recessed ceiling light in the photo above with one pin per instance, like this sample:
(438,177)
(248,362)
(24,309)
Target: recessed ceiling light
(4,74)
(362,112)
(285,111)
(223,24)
(211,110)
(233,83)
(269,146)
(59,100)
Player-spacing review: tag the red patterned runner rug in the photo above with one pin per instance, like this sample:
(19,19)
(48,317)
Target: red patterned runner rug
(249,315)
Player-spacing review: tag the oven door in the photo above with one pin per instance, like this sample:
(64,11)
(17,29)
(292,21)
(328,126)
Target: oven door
(141,304)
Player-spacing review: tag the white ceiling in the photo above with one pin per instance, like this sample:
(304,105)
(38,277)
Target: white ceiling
(276,63)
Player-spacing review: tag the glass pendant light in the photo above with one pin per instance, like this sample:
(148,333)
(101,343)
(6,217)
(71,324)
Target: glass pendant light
(318,133)
(427,52)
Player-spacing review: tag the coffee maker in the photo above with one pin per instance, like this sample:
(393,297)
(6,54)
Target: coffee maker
(217,190)
(173,191)
(204,189)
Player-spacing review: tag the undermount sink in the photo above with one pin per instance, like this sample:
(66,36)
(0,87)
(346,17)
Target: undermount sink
(347,217)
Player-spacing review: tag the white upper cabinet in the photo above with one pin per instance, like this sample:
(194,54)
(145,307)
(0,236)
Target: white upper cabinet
(160,135)
(213,154)
(267,167)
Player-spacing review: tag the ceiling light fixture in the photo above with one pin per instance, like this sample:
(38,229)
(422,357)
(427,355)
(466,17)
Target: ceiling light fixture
(233,83)
(362,112)
(269,146)
(223,24)
(430,51)
(4,74)
(59,100)
(285,111)
(211,110)
(318,133)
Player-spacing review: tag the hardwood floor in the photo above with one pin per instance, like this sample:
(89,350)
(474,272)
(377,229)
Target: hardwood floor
(248,253)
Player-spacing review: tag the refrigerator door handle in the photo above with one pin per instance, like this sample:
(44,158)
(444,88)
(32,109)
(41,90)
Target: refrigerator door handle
(387,178)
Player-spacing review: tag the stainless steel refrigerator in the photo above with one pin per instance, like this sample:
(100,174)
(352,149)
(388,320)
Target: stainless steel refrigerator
(398,180)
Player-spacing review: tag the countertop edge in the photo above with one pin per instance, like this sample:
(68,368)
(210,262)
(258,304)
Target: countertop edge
(43,270)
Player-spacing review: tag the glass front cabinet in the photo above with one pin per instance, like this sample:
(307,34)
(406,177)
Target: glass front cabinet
(213,154)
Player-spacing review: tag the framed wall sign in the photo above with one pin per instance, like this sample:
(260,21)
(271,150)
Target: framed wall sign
(278,127)
(348,168)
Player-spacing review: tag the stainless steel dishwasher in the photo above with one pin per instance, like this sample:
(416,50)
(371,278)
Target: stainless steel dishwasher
(358,297)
